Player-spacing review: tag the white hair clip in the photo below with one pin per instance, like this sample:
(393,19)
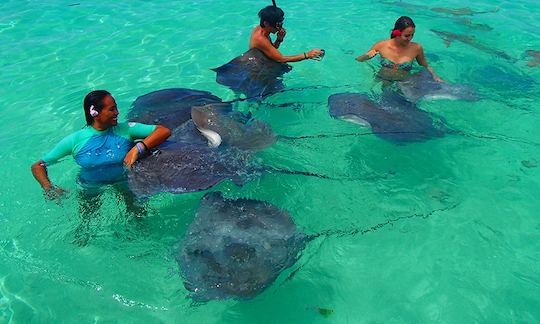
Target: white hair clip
(93,112)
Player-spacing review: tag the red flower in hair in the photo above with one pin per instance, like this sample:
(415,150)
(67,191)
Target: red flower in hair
(396,33)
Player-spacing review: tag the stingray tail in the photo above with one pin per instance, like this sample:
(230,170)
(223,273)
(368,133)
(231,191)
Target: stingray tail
(495,137)
(294,138)
(274,3)
(323,176)
(355,231)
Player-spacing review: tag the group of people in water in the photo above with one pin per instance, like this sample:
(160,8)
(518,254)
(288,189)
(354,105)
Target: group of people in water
(105,148)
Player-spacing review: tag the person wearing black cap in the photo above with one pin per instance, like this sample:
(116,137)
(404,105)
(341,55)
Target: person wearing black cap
(271,22)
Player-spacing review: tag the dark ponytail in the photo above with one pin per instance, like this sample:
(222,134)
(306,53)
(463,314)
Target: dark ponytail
(94,98)
(400,25)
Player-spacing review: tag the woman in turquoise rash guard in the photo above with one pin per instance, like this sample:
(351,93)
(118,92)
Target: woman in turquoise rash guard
(103,148)
(399,52)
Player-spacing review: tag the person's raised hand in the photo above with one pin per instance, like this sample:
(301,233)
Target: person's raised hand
(281,34)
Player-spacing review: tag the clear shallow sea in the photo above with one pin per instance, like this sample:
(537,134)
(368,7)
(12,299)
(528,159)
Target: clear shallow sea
(449,229)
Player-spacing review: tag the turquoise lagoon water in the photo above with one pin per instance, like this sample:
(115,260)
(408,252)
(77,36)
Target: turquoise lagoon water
(447,230)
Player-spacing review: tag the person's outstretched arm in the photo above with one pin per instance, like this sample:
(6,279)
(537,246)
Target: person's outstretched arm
(39,170)
(269,50)
(374,50)
(367,56)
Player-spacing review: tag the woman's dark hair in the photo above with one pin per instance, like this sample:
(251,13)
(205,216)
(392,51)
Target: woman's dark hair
(271,15)
(402,23)
(94,98)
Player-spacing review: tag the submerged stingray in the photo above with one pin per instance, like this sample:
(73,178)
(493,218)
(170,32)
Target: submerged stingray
(535,55)
(185,167)
(394,119)
(252,74)
(503,81)
(218,122)
(169,107)
(422,86)
(236,248)
(454,12)
(469,23)
(463,11)
(449,37)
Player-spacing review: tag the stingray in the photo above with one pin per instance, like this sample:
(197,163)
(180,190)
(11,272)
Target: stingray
(212,118)
(169,107)
(463,11)
(454,12)
(235,249)
(502,81)
(422,86)
(178,167)
(252,74)
(535,55)
(469,23)
(394,118)
(219,123)
(449,37)
(183,167)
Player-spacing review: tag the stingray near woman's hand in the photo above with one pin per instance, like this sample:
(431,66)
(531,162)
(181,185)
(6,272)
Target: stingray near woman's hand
(422,86)
(253,74)
(186,167)
(236,248)
(180,167)
(394,118)
(169,107)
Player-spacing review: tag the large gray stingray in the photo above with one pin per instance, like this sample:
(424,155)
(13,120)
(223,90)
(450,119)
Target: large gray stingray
(169,107)
(394,118)
(252,74)
(219,123)
(236,248)
(422,86)
(185,167)
(212,118)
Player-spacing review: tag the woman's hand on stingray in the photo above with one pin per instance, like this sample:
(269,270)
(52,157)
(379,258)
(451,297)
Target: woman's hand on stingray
(131,157)
(436,78)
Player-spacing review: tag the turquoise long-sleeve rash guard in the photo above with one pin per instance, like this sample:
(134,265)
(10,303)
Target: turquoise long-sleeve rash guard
(100,153)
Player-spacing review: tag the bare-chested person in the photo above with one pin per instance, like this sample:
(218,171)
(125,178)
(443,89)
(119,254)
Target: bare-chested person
(271,23)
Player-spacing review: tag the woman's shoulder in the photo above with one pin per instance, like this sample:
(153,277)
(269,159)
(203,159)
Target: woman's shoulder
(381,43)
(416,46)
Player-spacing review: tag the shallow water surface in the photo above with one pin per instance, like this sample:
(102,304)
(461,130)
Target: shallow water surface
(437,231)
